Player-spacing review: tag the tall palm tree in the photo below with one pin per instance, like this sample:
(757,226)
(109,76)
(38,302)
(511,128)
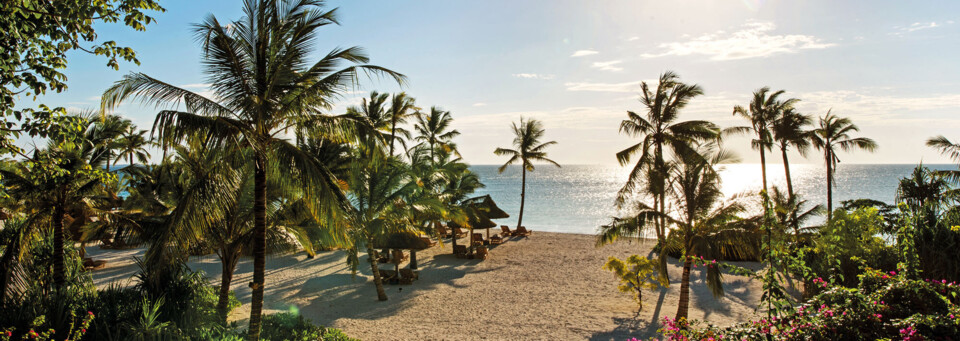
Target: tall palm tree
(526,140)
(263,85)
(763,111)
(401,106)
(833,134)
(660,129)
(133,144)
(789,130)
(433,131)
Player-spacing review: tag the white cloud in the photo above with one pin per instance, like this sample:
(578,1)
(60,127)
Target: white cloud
(603,87)
(609,65)
(581,53)
(196,86)
(917,26)
(479,104)
(533,76)
(753,40)
(633,38)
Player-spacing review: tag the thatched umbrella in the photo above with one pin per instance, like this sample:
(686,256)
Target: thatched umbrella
(486,209)
(403,241)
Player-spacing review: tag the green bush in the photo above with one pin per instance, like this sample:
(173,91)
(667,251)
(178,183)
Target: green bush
(287,326)
(884,306)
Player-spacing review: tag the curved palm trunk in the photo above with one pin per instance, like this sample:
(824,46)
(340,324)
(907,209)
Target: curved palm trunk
(259,247)
(375,267)
(228,264)
(523,195)
(59,277)
(684,306)
(786,170)
(763,168)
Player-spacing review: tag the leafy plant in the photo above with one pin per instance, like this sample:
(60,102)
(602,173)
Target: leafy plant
(636,275)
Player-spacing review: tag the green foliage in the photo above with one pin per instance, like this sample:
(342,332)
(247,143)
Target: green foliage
(292,327)
(37,35)
(883,306)
(635,275)
(851,240)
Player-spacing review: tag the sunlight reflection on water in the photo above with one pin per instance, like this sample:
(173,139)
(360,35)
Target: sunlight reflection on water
(578,198)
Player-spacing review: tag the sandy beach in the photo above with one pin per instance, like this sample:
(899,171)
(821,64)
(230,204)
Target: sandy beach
(547,286)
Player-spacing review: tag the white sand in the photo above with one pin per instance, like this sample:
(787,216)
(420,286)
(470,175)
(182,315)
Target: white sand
(548,286)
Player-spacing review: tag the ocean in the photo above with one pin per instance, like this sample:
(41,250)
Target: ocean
(579,198)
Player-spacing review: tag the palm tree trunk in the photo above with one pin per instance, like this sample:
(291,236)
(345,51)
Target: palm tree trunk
(259,247)
(523,194)
(393,134)
(786,170)
(375,267)
(763,167)
(228,265)
(684,306)
(59,277)
(829,187)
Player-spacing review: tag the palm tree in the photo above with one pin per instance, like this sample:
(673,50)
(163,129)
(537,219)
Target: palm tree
(789,130)
(659,129)
(764,110)
(432,131)
(400,107)
(834,133)
(383,200)
(951,150)
(927,190)
(108,130)
(791,212)
(133,144)
(263,86)
(526,140)
(706,227)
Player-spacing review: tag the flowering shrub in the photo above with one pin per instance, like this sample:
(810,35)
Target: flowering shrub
(39,332)
(886,305)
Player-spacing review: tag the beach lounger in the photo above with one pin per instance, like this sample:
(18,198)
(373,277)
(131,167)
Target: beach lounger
(505,231)
(460,251)
(429,241)
(459,232)
(442,231)
(477,239)
(522,232)
(496,240)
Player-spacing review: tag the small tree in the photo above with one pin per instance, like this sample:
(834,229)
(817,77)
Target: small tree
(637,274)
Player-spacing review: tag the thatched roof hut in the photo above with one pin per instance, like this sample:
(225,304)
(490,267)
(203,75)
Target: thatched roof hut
(402,240)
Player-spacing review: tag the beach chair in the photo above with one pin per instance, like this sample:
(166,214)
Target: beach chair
(442,230)
(505,231)
(407,276)
(477,239)
(522,232)
(430,242)
(482,253)
(458,232)
(460,251)
(496,240)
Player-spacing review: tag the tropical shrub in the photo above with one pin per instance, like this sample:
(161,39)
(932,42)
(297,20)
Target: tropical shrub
(293,327)
(849,242)
(885,305)
(635,275)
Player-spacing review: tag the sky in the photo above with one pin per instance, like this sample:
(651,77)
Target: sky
(890,66)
